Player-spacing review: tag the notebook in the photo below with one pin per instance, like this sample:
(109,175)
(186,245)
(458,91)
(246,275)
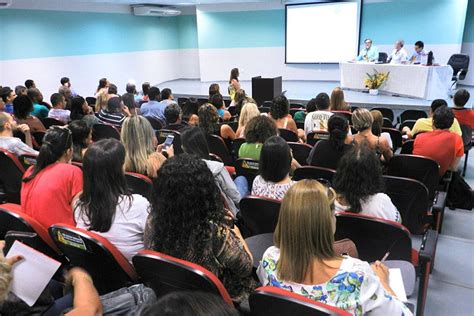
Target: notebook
(396,284)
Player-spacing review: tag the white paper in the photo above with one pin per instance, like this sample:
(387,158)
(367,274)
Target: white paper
(32,274)
(396,284)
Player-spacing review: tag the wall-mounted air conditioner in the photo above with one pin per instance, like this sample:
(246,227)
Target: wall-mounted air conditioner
(152,10)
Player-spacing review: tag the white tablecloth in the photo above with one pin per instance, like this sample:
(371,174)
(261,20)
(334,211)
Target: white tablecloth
(405,80)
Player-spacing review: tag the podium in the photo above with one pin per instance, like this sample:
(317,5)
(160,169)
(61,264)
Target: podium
(265,89)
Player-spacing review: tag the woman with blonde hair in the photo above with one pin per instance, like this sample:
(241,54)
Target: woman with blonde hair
(101,101)
(139,140)
(377,127)
(249,111)
(303,259)
(337,101)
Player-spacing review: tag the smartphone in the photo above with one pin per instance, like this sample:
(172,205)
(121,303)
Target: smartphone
(168,141)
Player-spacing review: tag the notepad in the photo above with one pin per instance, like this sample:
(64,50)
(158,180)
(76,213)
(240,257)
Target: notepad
(32,274)
(396,284)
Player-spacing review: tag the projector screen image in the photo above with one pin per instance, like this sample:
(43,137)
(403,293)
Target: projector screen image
(322,32)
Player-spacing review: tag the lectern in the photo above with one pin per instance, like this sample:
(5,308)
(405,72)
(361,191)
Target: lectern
(265,89)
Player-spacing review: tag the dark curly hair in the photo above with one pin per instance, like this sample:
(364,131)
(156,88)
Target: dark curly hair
(186,207)
(280,107)
(358,176)
(338,126)
(259,129)
(208,118)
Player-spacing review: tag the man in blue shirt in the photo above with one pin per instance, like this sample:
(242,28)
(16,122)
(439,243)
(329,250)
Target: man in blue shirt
(7,95)
(154,108)
(419,56)
(369,52)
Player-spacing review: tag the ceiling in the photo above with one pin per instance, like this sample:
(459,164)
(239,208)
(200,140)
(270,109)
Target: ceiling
(173,2)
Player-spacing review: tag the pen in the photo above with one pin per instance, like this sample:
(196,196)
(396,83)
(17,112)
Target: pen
(385,256)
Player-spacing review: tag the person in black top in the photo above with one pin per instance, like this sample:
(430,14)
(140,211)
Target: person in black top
(173,116)
(327,153)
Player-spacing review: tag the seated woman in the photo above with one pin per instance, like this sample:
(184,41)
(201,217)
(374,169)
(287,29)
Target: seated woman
(22,107)
(359,185)
(274,170)
(241,98)
(188,221)
(81,139)
(377,127)
(105,206)
(280,112)
(140,142)
(257,131)
(337,101)
(303,260)
(218,102)
(49,186)
(327,153)
(80,110)
(249,111)
(194,142)
(362,121)
(209,122)
(213,89)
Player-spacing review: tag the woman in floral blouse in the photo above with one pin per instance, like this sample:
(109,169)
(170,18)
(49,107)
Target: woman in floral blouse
(303,260)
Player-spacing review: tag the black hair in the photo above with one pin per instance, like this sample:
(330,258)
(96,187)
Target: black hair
(5,92)
(154,94)
(165,93)
(56,98)
(190,107)
(181,303)
(80,132)
(322,101)
(275,159)
(280,107)
(186,199)
(337,127)
(104,183)
(217,100)
(213,89)
(102,83)
(34,94)
(437,103)
(461,97)
(114,105)
(145,88)
(77,112)
(208,118)
(172,112)
(420,44)
(131,88)
(64,80)
(358,176)
(259,129)
(311,106)
(19,90)
(29,83)
(129,100)
(234,74)
(56,142)
(22,106)
(443,118)
(194,142)
(112,89)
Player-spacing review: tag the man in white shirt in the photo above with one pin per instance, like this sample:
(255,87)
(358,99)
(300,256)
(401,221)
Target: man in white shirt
(399,54)
(318,120)
(14,144)
(419,55)
(58,112)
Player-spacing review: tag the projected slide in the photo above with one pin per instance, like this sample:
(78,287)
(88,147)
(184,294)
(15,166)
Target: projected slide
(322,32)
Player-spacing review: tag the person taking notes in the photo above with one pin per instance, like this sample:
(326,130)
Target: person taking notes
(419,55)
(399,54)
(369,52)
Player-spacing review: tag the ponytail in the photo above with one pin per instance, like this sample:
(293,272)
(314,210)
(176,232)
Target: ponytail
(337,127)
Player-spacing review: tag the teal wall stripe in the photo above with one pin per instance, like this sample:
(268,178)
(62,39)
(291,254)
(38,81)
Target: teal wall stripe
(469,26)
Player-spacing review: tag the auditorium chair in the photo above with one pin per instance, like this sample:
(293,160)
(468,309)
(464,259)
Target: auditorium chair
(139,184)
(299,106)
(386,112)
(294,111)
(49,121)
(259,215)
(202,101)
(165,274)
(249,168)
(313,137)
(408,123)
(267,104)
(182,100)
(91,100)
(218,147)
(270,300)
(163,133)
(460,65)
(315,173)
(375,237)
(346,114)
(155,123)
(300,152)
(407,147)
(11,173)
(288,135)
(104,131)
(264,109)
(467,139)
(107,266)
(396,137)
(383,57)
(387,123)
(236,143)
(412,115)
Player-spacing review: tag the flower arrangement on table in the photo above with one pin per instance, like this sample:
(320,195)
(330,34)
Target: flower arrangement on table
(376,80)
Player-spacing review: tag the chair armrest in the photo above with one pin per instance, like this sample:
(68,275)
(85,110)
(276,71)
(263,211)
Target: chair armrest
(428,246)
(426,262)
(438,209)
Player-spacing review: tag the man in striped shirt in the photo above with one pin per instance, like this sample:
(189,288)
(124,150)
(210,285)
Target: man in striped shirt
(115,112)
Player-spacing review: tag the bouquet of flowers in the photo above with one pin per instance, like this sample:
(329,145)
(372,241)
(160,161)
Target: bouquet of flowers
(376,80)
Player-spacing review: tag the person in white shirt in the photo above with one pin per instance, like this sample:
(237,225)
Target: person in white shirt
(399,54)
(58,112)
(419,56)
(14,144)
(105,206)
(318,120)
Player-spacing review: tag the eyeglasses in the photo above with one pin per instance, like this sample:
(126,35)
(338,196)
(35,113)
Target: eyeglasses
(63,129)
(331,194)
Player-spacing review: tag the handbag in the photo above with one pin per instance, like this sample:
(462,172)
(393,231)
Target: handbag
(346,247)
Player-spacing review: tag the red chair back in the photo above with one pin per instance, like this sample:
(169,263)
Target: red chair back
(314,137)
(315,173)
(300,152)
(139,184)
(218,147)
(49,121)
(259,215)
(288,135)
(104,131)
(155,123)
(11,173)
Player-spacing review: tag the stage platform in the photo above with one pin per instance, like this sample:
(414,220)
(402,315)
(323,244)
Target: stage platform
(302,91)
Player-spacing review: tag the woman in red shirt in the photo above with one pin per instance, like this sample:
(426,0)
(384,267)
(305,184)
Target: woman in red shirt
(49,186)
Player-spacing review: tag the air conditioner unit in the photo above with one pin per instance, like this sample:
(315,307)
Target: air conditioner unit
(5,4)
(151,10)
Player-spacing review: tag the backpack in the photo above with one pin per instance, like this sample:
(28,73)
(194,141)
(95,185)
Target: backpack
(460,194)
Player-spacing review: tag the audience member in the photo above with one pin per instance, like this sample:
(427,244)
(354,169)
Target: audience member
(101,101)
(441,145)
(154,108)
(359,186)
(218,102)
(274,169)
(112,90)
(66,82)
(29,83)
(67,94)
(423,125)
(190,111)
(20,90)
(303,259)
(5,269)
(188,221)
(7,95)
(58,112)
(257,131)
(14,144)
(39,110)
(105,205)
(214,88)
(362,121)
(317,120)
(377,127)
(167,97)
(115,112)
(80,110)
(52,173)
(209,121)
(22,107)
(145,89)
(103,87)
(337,101)
(327,153)
(129,101)
(301,115)
(139,139)
(234,83)
(464,115)
(280,112)
(194,142)
(173,115)
(81,139)
(249,111)
(131,88)
(240,99)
